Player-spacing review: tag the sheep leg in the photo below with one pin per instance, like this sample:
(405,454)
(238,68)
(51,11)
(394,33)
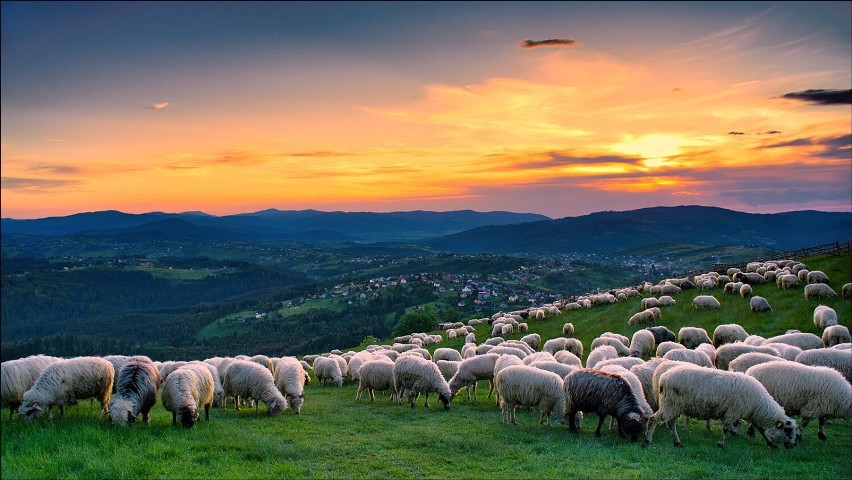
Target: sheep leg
(490,388)
(769,441)
(174,418)
(426,403)
(373,395)
(572,421)
(672,425)
(237,402)
(256,407)
(146,418)
(601,419)
(207,411)
(649,432)
(504,414)
(358,393)
(821,434)
(61,410)
(512,409)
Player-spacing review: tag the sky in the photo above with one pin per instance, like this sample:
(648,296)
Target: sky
(557,108)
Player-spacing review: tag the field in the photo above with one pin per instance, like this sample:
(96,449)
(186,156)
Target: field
(337,437)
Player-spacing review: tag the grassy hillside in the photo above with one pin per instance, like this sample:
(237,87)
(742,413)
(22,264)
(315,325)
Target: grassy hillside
(337,437)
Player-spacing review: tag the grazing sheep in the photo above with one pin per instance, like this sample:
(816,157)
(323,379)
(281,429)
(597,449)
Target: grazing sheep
(593,391)
(218,390)
(638,318)
(726,353)
(759,304)
(615,343)
(600,354)
(250,379)
(705,301)
(185,391)
(290,381)
(517,344)
(670,289)
(786,282)
(691,337)
(835,358)
(471,337)
(665,301)
(529,386)
(846,291)
(666,347)
(539,357)
(621,338)
(355,363)
(449,368)
(708,350)
(748,360)
(728,333)
(168,367)
(568,358)
(495,341)
(732,288)
(709,394)
(662,334)
(635,385)
(642,344)
(568,330)
(376,375)
(649,302)
(508,350)
(745,290)
(817,276)
(483,349)
(446,354)
(689,356)
(625,362)
(824,316)
(117,362)
(18,376)
(835,335)
(266,362)
(818,290)
(326,368)
(533,340)
(756,340)
(413,375)
(805,341)
(560,369)
(471,371)
(555,344)
(811,392)
(785,351)
(67,381)
(645,373)
(136,393)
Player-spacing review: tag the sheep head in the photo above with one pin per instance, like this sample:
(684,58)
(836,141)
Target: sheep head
(31,410)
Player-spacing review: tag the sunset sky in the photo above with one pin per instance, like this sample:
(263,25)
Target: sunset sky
(561,109)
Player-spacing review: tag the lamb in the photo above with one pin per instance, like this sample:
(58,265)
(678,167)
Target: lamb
(605,394)
(666,347)
(705,301)
(533,340)
(811,392)
(759,304)
(805,341)
(745,290)
(136,393)
(824,316)
(290,381)
(417,375)
(728,333)
(446,354)
(709,394)
(817,276)
(846,291)
(615,343)
(645,316)
(642,344)
(600,354)
(567,358)
(18,376)
(818,290)
(835,335)
(252,380)
(472,370)
(690,356)
(68,381)
(529,386)
(691,337)
(326,368)
(828,357)
(726,353)
(377,374)
(748,360)
(568,330)
(185,391)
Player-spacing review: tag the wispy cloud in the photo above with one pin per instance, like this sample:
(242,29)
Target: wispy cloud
(158,106)
(822,96)
(736,133)
(550,42)
(34,184)
(48,168)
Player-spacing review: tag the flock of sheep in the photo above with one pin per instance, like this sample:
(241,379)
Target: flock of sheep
(654,377)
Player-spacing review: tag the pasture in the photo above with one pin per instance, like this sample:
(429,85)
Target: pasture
(337,437)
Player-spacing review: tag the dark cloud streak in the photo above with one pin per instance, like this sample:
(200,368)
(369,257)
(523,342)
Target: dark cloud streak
(822,96)
(550,42)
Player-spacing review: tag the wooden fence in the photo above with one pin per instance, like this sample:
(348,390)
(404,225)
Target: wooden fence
(836,248)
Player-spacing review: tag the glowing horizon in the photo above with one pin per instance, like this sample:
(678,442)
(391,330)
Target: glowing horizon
(295,106)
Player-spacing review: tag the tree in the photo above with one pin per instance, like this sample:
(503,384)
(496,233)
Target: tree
(421,319)
(452,315)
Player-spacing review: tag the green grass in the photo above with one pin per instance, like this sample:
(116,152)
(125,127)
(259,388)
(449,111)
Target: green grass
(180,274)
(337,437)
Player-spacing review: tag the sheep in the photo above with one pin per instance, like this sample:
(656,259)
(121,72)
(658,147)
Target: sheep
(539,357)
(266,362)
(377,374)
(732,288)
(506,329)
(568,358)
(449,368)
(136,393)
(642,344)
(117,362)
(748,360)
(836,334)
(65,382)
(185,391)
(666,347)
(824,316)
(344,365)
(600,354)
(670,289)
(705,301)
(533,340)
(529,386)
(414,351)
(290,381)
(519,345)
(472,370)
(417,375)
(470,338)
(756,340)
(508,350)
(785,351)
(759,304)
(326,368)
(817,276)
(483,349)
(252,380)
(218,390)
(726,353)
(446,354)
(18,376)
(818,290)
(626,362)
(635,385)
(649,302)
(615,343)
(645,373)
(745,290)
(709,394)
(495,341)
(708,350)
(805,341)
(786,282)
(662,334)
(728,333)
(690,356)
(810,392)
(691,337)
(390,354)
(605,394)
(568,330)
(638,318)
(355,363)
(621,338)
(168,367)
(828,357)
(560,369)
(555,344)
(752,278)
(665,301)
(846,291)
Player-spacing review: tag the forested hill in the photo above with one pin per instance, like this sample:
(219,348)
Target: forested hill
(614,231)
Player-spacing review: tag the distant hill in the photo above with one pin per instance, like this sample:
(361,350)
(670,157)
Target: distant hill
(610,231)
(299,225)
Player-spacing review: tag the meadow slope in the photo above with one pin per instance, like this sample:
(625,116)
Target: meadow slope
(337,437)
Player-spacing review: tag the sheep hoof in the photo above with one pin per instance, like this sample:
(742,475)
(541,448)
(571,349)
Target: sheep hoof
(678,445)
(720,445)
(821,436)
(772,444)
(645,444)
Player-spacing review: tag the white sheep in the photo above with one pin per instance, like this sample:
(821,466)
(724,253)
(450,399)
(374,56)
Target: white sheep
(471,371)
(413,375)
(708,349)
(376,375)
(846,291)
(818,290)
(689,356)
(666,347)
(18,376)
(835,335)
(691,337)
(568,330)
(517,344)
(645,316)
(706,393)
(615,343)
(449,368)
(811,392)
(670,289)
(626,362)
(245,379)
(732,287)
(785,351)
(529,386)
(786,282)
(642,344)
(728,352)
(835,358)
(355,363)
(560,369)
(66,382)
(185,391)
(538,357)
(600,354)
(748,360)
(805,341)
(817,276)
(824,316)
(665,301)
(621,338)
(290,381)
(645,373)
(745,290)
(728,333)
(326,368)
(567,357)
(705,301)
(555,344)
(533,340)
(446,354)
(136,393)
